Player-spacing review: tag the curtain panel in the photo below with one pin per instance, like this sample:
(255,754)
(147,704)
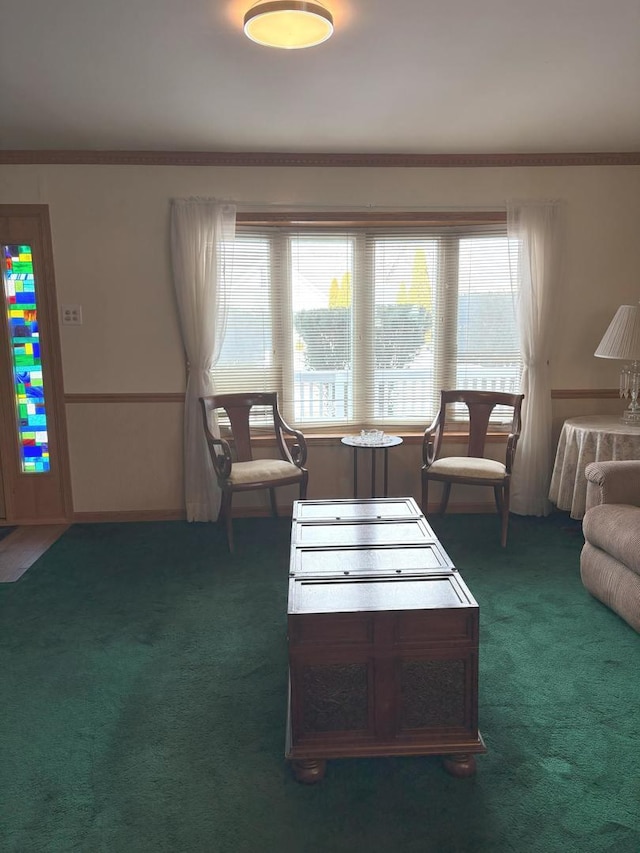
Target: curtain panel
(534,228)
(202,234)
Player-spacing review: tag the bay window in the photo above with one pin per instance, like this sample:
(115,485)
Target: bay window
(363,323)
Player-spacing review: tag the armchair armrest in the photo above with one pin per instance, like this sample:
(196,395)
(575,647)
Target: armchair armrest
(512,443)
(299,448)
(220,456)
(613,482)
(431,441)
(297,451)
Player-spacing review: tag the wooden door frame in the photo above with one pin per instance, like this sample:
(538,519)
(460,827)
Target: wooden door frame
(34,219)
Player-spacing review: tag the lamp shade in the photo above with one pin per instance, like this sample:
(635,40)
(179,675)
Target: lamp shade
(622,338)
(288,24)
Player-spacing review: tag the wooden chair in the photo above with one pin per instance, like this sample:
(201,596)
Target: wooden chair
(237,470)
(472,469)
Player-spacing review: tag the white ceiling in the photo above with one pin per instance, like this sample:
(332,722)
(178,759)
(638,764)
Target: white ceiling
(398,76)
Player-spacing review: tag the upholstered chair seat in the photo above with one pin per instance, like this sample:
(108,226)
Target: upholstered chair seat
(262,471)
(468,466)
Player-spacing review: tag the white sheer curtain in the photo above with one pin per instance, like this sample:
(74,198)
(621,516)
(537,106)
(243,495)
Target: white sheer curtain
(202,233)
(533,226)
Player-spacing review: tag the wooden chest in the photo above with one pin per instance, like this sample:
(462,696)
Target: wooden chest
(383,639)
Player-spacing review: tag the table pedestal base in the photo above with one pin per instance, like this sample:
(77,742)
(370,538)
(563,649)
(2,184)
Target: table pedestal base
(355,442)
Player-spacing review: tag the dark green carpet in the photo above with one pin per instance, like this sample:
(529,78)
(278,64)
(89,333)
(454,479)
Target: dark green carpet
(143,705)
(5,531)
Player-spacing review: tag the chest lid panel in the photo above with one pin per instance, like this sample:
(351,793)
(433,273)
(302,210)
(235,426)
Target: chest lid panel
(353,595)
(375,560)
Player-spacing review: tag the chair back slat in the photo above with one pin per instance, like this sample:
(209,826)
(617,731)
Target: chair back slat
(479,414)
(480,406)
(238,409)
(240,430)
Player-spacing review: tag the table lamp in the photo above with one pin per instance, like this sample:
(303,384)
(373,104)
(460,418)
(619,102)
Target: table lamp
(622,341)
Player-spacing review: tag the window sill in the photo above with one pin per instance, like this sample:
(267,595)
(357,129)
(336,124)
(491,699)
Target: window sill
(408,437)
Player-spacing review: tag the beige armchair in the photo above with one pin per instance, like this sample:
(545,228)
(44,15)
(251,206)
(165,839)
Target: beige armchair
(610,558)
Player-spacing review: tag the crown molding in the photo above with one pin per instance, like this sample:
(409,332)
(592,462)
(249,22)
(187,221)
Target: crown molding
(273,159)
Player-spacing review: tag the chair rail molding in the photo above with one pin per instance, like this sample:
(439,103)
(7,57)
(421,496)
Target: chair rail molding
(178,396)
(313,160)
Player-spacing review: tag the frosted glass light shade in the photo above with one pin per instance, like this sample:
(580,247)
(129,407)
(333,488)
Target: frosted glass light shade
(622,338)
(288,24)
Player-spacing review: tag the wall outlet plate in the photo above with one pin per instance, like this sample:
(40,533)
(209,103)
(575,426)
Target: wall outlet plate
(71,315)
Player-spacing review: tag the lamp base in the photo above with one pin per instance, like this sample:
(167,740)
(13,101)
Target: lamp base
(629,387)
(631,418)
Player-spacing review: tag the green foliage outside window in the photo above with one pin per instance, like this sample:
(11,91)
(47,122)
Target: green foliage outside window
(399,335)
(326,333)
(401,329)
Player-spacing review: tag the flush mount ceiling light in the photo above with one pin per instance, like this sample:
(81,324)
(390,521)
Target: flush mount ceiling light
(288,24)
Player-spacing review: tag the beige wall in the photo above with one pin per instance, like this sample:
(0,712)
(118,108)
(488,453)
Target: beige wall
(110,227)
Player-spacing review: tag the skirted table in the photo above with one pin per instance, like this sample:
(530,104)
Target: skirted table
(594,438)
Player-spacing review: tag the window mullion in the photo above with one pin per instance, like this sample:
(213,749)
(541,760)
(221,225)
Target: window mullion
(282,320)
(363,330)
(447,316)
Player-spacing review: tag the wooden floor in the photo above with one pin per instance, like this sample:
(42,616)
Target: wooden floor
(20,549)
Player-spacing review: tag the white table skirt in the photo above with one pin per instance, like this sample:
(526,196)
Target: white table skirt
(594,438)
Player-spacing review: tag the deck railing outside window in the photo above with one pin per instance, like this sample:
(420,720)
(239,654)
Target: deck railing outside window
(324,396)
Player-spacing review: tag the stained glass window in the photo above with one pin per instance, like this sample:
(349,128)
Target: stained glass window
(24,340)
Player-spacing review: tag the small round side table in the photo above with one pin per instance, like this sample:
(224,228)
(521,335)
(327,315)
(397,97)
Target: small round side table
(357,443)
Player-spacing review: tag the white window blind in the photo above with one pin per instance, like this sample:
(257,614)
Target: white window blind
(364,325)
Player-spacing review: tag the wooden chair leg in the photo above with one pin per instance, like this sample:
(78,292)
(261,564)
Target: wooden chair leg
(505,514)
(225,516)
(425,494)
(446,491)
(497,491)
(274,505)
(303,487)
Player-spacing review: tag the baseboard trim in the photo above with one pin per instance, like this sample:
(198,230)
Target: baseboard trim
(31,522)
(98,517)
(471,508)
(137,515)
